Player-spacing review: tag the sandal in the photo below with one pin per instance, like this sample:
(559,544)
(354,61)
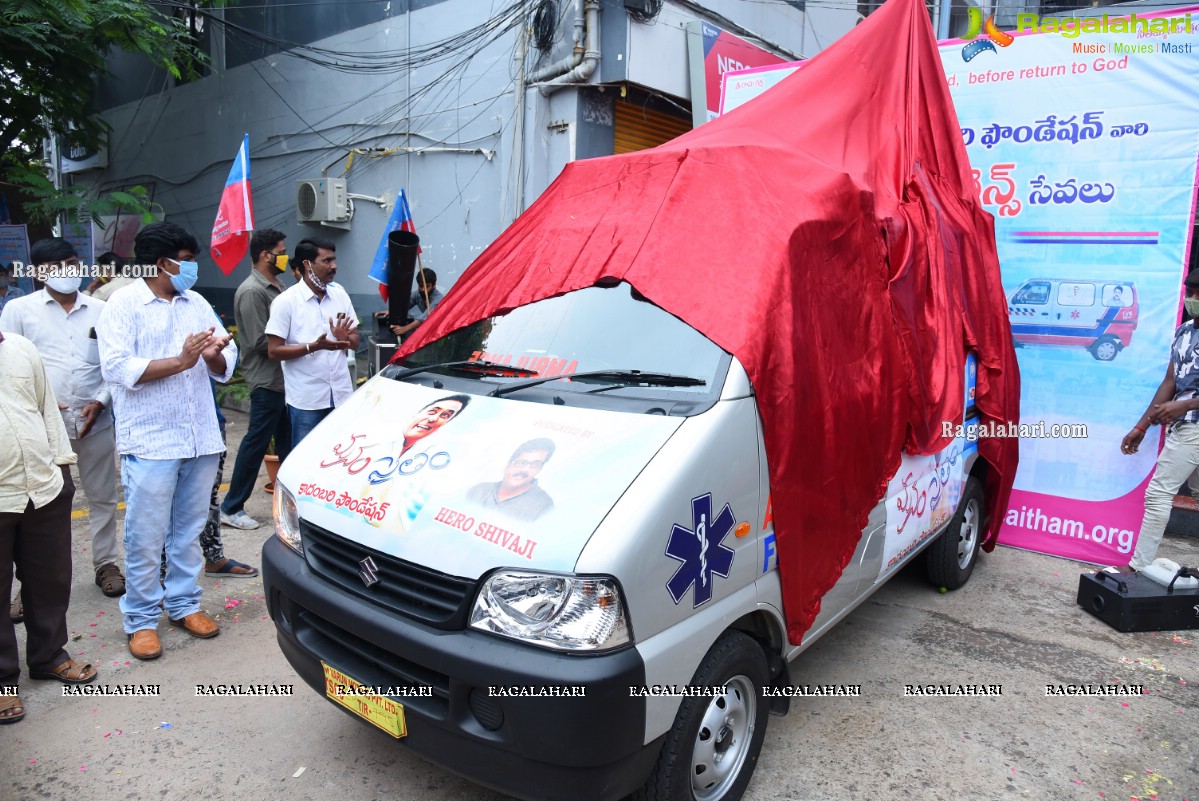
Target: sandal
(69,672)
(229,568)
(9,703)
(16,610)
(110,581)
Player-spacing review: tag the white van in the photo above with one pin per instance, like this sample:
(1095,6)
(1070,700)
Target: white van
(1080,312)
(565,586)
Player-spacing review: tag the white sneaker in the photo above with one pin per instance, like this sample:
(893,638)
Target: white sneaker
(240,520)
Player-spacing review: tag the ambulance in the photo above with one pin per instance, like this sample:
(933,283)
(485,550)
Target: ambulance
(545,547)
(1097,315)
(540,553)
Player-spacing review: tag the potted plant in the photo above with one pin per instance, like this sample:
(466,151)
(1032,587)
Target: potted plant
(272,466)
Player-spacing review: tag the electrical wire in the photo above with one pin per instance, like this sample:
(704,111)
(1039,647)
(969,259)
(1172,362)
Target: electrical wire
(545,25)
(647,14)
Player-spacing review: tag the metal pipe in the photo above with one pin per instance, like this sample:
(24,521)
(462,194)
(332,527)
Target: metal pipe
(516,168)
(571,61)
(591,57)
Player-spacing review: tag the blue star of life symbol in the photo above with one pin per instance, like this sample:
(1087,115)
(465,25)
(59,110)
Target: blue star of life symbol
(701,550)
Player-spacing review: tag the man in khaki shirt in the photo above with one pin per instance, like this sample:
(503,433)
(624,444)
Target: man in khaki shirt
(35,524)
(264,376)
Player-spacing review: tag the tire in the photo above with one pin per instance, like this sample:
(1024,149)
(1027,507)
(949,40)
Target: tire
(1106,348)
(951,558)
(712,749)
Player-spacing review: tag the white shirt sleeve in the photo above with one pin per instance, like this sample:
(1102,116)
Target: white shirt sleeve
(279,323)
(10,319)
(230,350)
(115,336)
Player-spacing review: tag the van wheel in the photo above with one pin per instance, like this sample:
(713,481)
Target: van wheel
(1105,348)
(712,749)
(951,559)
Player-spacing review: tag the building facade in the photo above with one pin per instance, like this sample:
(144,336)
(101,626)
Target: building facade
(471,106)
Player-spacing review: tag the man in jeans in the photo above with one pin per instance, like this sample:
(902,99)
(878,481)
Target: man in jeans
(160,343)
(1175,406)
(264,376)
(312,324)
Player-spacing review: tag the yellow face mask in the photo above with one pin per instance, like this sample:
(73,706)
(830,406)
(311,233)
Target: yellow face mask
(281,262)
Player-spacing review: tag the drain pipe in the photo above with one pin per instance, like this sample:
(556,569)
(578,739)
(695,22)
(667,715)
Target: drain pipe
(570,62)
(584,66)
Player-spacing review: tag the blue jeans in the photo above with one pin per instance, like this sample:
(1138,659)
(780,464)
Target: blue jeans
(303,421)
(268,418)
(166,505)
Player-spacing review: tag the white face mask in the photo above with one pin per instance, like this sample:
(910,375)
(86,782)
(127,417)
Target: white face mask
(64,284)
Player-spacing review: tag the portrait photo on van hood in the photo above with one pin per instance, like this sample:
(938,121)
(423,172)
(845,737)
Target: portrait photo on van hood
(494,478)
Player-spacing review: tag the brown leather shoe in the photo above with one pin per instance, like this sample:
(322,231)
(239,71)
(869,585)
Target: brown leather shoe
(144,644)
(198,624)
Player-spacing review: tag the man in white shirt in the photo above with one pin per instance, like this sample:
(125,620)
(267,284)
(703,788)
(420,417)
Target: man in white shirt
(61,322)
(160,343)
(103,287)
(35,524)
(311,326)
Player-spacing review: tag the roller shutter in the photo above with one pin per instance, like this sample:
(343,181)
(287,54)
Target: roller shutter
(639,128)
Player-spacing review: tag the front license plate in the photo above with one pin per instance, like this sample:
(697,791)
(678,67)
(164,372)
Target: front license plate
(377,709)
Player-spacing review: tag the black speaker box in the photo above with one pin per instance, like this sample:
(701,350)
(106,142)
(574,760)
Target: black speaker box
(1131,602)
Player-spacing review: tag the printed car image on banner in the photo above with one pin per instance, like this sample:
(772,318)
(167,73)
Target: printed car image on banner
(500,481)
(1083,136)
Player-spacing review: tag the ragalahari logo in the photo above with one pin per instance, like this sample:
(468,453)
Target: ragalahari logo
(994,36)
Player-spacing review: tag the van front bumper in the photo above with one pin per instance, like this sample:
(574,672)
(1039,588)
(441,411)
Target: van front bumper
(584,748)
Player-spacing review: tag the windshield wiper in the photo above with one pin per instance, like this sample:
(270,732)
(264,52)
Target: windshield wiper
(466,366)
(618,377)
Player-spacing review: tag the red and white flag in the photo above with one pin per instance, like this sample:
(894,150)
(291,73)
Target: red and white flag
(235,215)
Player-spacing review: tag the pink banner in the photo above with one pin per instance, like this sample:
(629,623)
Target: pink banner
(1102,532)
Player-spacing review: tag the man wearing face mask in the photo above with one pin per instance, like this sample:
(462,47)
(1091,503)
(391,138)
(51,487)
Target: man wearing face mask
(8,290)
(311,326)
(264,376)
(61,322)
(1175,406)
(160,342)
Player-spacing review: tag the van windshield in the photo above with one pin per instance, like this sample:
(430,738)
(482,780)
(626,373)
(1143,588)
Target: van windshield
(592,329)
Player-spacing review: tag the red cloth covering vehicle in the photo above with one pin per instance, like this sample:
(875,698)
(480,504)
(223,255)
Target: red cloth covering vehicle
(827,234)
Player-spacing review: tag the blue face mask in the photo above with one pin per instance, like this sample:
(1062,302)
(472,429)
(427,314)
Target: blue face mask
(189,272)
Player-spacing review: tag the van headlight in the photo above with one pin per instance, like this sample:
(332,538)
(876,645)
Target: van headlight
(566,613)
(287,518)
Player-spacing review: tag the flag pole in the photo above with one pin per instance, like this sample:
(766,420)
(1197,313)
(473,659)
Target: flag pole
(420,265)
(424,287)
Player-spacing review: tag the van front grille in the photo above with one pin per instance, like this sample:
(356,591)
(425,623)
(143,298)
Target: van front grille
(435,598)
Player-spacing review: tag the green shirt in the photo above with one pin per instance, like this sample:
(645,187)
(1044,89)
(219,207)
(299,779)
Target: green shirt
(251,310)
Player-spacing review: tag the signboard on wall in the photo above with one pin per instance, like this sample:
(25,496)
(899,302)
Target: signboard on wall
(14,246)
(117,232)
(1083,135)
(711,52)
(80,235)
(740,86)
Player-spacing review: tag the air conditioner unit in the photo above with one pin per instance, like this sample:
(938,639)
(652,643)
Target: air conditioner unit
(322,200)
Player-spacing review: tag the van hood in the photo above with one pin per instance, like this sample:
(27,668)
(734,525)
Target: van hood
(458,498)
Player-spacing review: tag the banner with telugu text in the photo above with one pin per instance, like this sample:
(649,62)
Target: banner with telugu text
(1084,138)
